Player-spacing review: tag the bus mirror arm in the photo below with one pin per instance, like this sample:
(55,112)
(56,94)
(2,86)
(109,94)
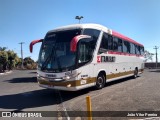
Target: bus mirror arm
(34,42)
(74,41)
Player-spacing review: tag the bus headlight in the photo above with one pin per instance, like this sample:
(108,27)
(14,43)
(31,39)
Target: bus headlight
(66,77)
(37,75)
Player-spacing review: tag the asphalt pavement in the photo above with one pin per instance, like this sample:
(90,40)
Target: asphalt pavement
(20,92)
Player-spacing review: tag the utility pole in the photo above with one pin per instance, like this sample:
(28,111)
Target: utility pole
(21,43)
(156,55)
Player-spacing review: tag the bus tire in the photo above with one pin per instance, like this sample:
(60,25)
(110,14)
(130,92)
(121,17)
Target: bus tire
(135,73)
(100,82)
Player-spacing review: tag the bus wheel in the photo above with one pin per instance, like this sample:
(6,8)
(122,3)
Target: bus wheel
(100,81)
(135,73)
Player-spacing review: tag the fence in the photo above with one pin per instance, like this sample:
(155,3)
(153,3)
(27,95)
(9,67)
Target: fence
(151,65)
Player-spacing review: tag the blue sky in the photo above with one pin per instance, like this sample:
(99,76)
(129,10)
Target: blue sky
(27,20)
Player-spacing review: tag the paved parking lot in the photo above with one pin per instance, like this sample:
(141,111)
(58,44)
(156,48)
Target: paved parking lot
(19,91)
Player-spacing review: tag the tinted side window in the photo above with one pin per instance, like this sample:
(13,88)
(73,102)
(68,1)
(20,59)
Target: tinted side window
(104,43)
(142,50)
(92,32)
(110,43)
(126,47)
(85,50)
(132,48)
(137,49)
(120,45)
(115,44)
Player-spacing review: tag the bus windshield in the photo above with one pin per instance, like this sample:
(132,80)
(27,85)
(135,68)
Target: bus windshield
(55,54)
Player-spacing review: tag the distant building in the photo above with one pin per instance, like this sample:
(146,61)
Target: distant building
(151,65)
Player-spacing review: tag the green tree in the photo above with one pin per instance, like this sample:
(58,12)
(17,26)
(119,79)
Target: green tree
(18,61)
(8,59)
(28,60)
(3,60)
(29,63)
(11,59)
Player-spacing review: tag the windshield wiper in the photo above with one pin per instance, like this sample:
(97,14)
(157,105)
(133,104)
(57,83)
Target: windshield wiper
(47,59)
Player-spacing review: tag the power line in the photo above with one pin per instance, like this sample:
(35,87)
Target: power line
(156,47)
(21,43)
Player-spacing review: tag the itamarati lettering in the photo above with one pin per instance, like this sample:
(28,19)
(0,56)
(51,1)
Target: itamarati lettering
(106,59)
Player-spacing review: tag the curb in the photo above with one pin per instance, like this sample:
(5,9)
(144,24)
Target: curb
(6,73)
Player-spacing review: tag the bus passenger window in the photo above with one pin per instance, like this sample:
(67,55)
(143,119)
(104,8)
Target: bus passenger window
(85,51)
(104,44)
(126,47)
(137,50)
(115,44)
(120,45)
(142,50)
(93,33)
(132,48)
(110,43)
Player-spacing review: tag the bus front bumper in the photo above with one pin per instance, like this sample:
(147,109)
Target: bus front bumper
(72,85)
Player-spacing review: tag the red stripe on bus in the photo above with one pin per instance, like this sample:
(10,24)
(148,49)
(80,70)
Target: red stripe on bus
(114,33)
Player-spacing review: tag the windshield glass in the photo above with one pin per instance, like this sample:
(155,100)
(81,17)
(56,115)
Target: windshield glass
(55,54)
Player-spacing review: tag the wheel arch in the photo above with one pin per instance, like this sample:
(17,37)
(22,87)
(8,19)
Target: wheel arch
(102,72)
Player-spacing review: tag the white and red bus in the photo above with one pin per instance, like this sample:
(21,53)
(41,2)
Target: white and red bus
(79,56)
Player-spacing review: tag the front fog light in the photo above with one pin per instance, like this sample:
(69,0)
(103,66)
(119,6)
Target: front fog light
(69,85)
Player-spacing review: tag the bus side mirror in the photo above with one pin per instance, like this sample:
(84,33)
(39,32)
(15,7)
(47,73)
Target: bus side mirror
(34,42)
(74,41)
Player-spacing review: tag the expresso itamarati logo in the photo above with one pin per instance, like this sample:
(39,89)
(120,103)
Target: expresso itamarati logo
(106,59)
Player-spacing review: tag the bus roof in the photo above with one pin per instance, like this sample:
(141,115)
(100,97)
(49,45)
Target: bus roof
(95,26)
(114,33)
(77,26)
